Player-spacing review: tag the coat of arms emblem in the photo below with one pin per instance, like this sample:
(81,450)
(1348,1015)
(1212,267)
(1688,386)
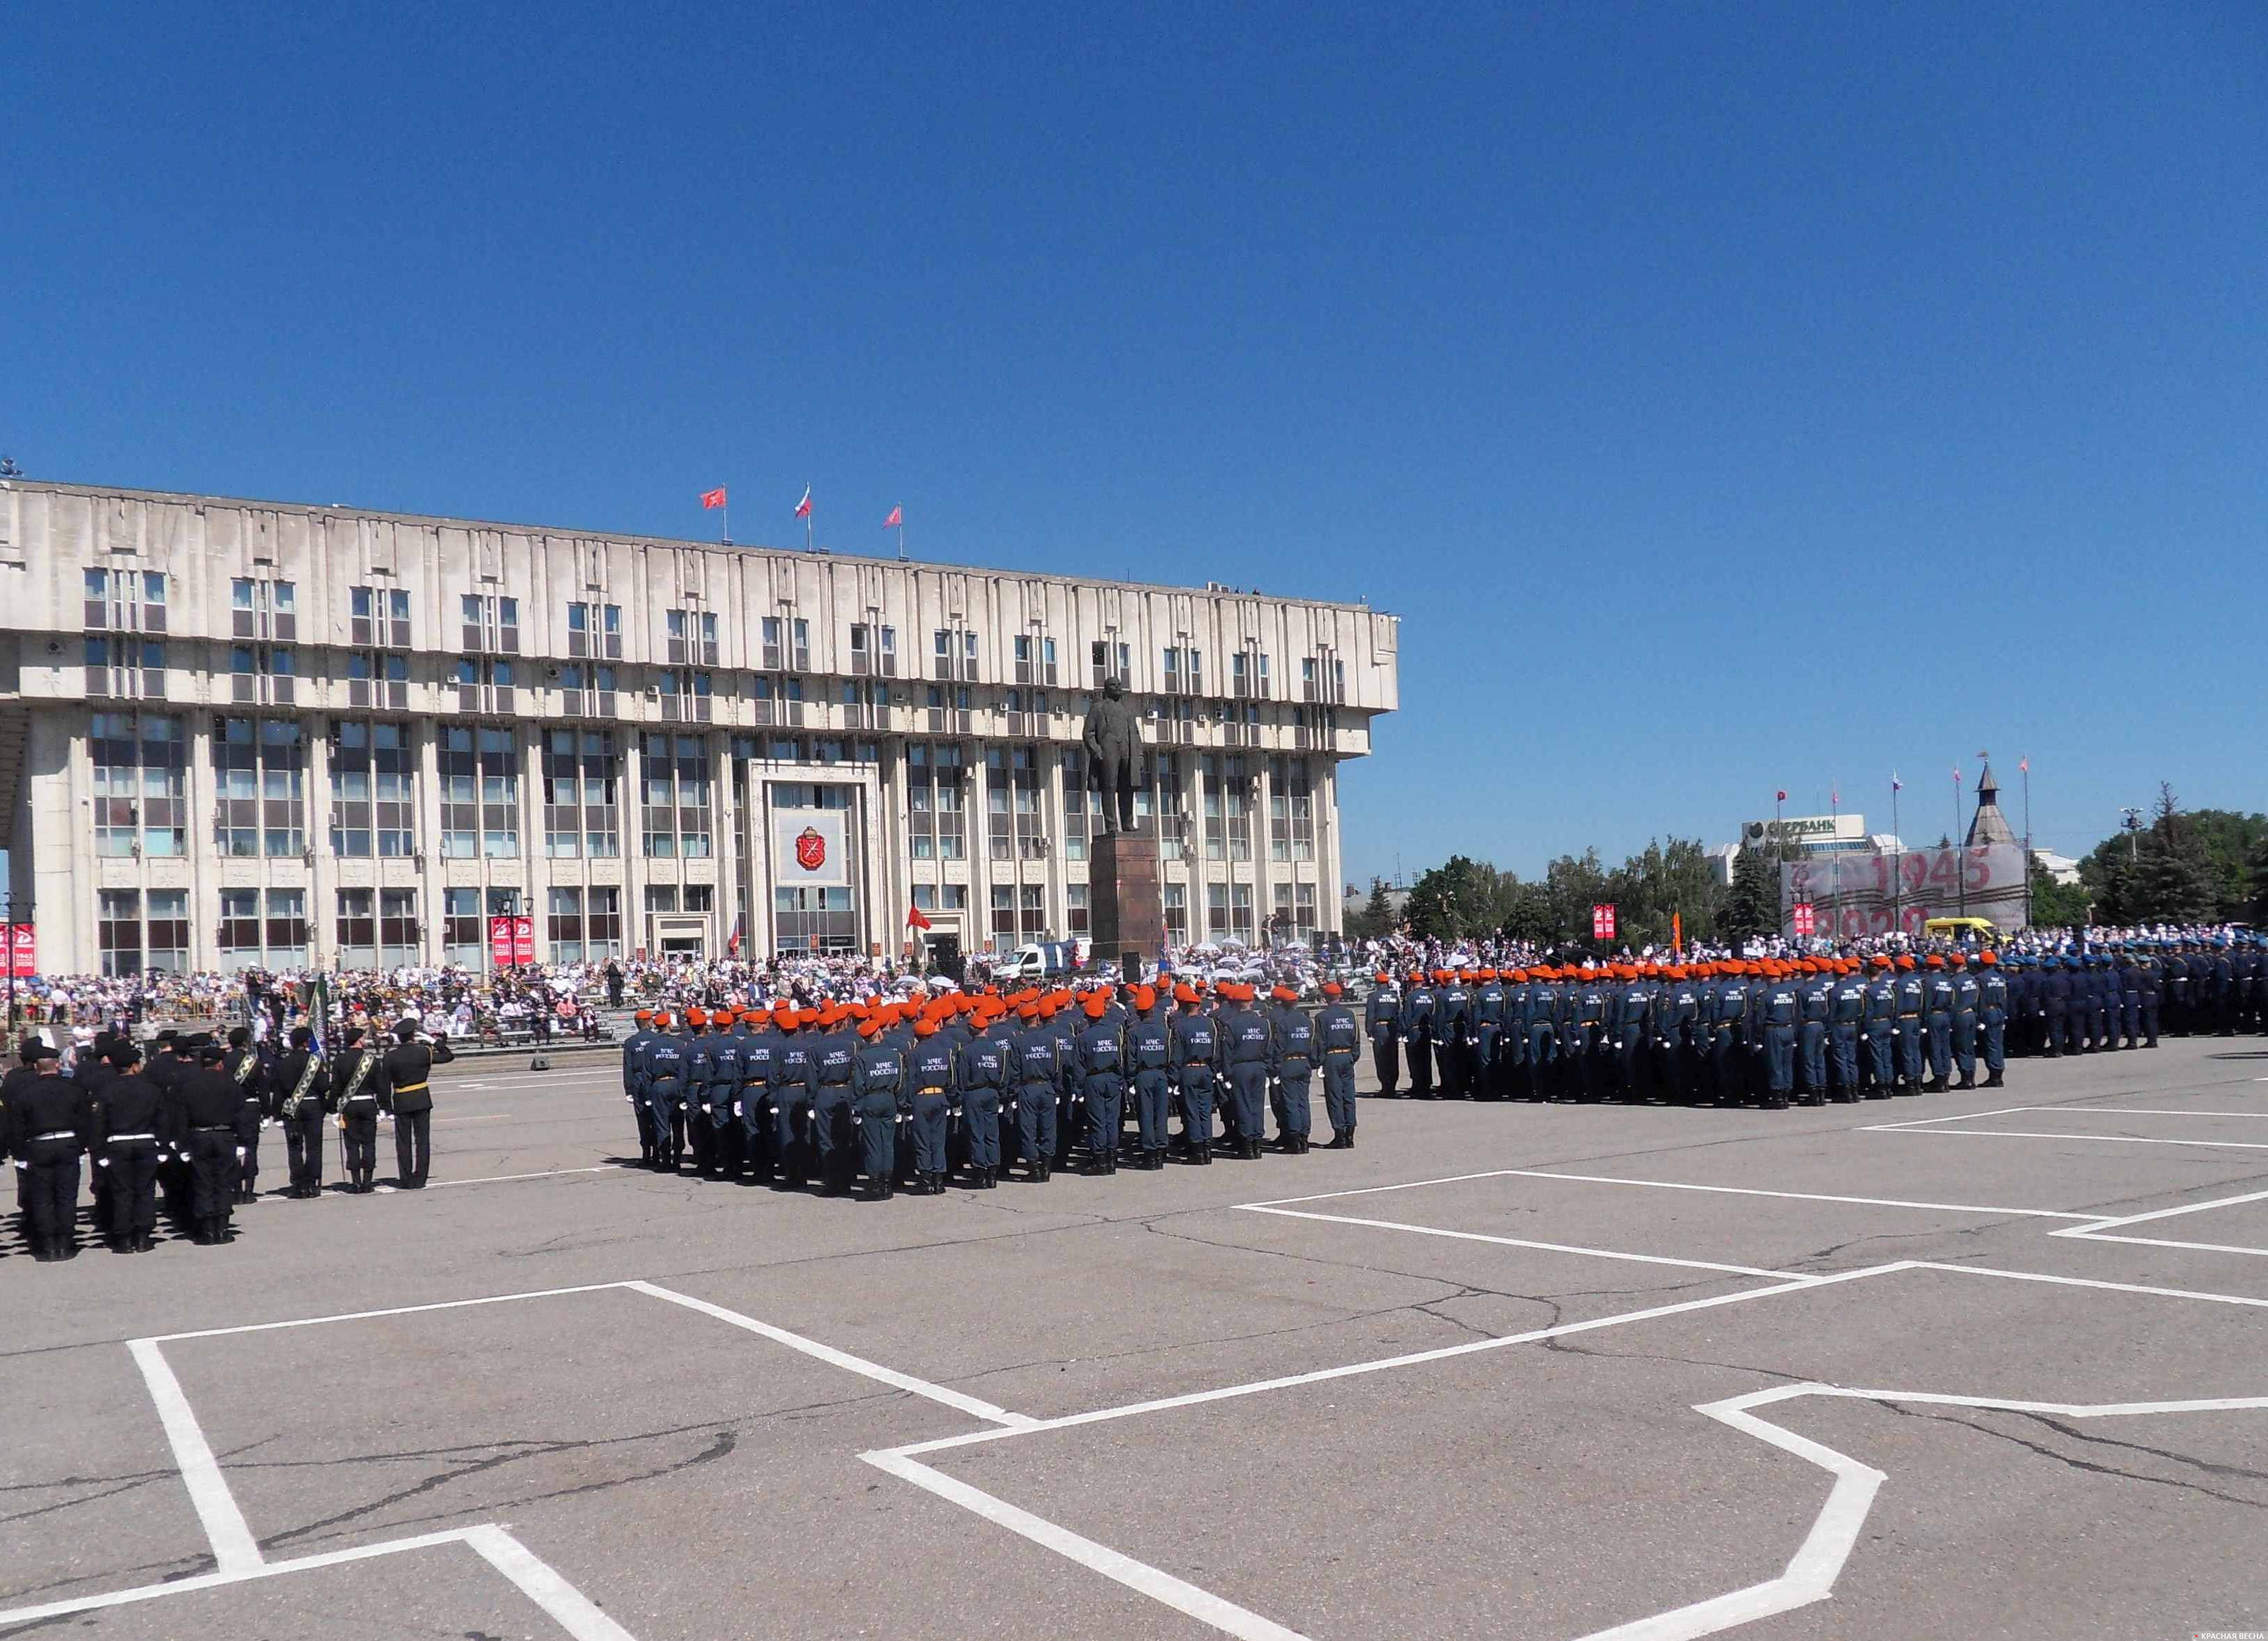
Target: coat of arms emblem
(810,849)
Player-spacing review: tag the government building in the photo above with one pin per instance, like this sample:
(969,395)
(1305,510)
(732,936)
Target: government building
(238,732)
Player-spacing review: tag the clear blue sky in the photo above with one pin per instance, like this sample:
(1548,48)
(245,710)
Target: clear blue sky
(1728,397)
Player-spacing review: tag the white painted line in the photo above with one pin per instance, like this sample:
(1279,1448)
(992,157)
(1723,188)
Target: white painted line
(1809,1196)
(567,1606)
(1442,1353)
(2106,1139)
(235,1550)
(2162,1213)
(1140,1577)
(2148,1111)
(216,1580)
(398,1310)
(1811,1572)
(546,1173)
(1522,1242)
(970,1405)
(2084,1281)
(1970,1116)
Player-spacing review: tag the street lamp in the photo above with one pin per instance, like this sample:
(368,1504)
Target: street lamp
(2133,826)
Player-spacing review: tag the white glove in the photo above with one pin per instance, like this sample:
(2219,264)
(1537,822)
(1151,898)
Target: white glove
(102,1162)
(736,1108)
(239,1153)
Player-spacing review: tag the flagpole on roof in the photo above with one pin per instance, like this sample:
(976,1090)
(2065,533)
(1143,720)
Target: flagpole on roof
(2024,768)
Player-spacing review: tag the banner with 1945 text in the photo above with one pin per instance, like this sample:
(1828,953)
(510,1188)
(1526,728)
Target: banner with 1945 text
(1854,895)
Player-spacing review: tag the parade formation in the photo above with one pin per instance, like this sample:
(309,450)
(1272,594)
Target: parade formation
(931,1088)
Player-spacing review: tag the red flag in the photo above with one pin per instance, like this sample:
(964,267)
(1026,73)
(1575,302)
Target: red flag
(2024,765)
(897,517)
(713,497)
(1781,796)
(914,920)
(803,507)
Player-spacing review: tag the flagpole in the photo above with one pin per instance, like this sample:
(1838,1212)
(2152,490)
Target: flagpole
(2024,768)
(810,519)
(1897,862)
(1960,867)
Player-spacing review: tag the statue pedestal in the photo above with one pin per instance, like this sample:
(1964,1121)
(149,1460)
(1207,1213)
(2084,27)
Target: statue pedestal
(1126,904)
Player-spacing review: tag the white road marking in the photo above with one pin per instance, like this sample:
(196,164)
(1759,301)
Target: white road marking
(1811,1572)
(2106,1139)
(397,1310)
(567,1606)
(1678,1185)
(1202,1605)
(545,1173)
(2085,1281)
(970,1405)
(235,1550)
(1522,1242)
(216,1580)
(1442,1353)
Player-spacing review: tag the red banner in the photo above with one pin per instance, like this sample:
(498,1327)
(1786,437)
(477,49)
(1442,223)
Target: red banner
(1602,922)
(1804,920)
(500,941)
(22,952)
(523,940)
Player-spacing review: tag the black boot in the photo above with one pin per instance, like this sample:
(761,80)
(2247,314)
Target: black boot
(1039,1173)
(1996,1081)
(1967,1080)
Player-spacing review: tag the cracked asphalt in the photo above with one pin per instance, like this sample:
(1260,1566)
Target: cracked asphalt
(697,1480)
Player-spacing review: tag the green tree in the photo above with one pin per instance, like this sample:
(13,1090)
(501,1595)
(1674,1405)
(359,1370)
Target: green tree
(2174,879)
(1375,920)
(1753,906)
(2058,905)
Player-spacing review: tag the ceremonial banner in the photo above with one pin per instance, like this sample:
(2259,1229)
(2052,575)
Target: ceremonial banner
(523,940)
(1852,895)
(22,952)
(809,848)
(500,941)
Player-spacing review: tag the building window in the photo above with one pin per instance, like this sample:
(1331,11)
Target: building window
(356,931)
(1032,900)
(376,678)
(1240,906)
(1279,920)
(1216,910)
(691,637)
(602,929)
(941,897)
(397,927)
(1303,916)
(261,674)
(1216,828)
(263,610)
(1177,913)
(594,631)
(259,780)
(124,601)
(168,930)
(1237,798)
(581,812)
(1003,909)
(247,941)
(676,778)
(686,695)
(124,665)
(140,802)
(374,790)
(378,617)
(566,924)
(1075,908)
(1075,824)
(464,940)
(118,931)
(660,897)
(490,623)
(587,691)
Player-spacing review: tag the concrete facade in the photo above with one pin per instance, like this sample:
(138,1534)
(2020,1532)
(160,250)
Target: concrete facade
(242,732)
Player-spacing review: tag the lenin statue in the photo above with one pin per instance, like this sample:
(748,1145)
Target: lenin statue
(1113,738)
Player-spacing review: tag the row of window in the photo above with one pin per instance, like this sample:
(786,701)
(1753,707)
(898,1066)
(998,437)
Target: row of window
(380,617)
(139,769)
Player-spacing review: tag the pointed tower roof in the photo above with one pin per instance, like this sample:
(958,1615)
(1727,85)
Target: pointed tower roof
(1988,825)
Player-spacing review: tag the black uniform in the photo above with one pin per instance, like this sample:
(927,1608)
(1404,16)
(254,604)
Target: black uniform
(48,1117)
(300,1082)
(132,1120)
(357,1092)
(410,1096)
(242,1063)
(210,1101)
